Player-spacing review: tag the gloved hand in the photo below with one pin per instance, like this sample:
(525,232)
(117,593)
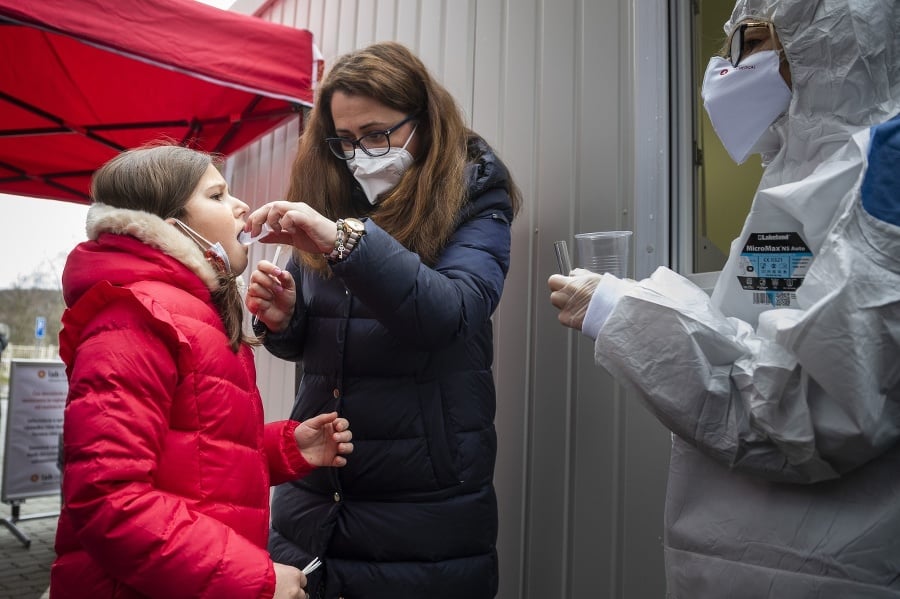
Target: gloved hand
(572,294)
(881,183)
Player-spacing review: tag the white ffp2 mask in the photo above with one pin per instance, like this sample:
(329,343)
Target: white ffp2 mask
(743,101)
(380,174)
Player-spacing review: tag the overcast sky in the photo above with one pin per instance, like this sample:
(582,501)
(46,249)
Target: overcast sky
(35,233)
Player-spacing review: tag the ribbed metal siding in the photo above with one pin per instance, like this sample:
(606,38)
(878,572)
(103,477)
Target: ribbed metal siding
(581,469)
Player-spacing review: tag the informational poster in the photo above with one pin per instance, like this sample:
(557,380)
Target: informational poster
(37,398)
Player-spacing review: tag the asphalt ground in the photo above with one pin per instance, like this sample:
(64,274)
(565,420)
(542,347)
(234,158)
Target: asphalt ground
(25,571)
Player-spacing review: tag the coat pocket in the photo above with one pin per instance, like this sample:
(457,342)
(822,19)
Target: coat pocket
(438,434)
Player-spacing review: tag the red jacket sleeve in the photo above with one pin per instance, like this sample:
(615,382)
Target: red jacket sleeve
(286,462)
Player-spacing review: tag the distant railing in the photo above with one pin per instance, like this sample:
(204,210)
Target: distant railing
(20,352)
(33,352)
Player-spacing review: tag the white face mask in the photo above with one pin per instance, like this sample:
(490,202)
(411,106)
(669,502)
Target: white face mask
(213,252)
(743,101)
(380,174)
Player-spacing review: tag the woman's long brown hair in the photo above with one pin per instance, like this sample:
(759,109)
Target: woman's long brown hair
(421,211)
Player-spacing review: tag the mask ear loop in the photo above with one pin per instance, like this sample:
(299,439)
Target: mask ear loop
(776,41)
(211,256)
(408,139)
(195,236)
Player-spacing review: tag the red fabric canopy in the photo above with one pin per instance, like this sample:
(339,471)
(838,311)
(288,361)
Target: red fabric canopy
(81,80)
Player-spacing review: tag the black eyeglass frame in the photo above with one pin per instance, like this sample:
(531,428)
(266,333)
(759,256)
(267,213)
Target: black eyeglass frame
(358,142)
(735,53)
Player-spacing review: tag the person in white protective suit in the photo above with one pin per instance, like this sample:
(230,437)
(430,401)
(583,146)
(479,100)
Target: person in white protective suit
(782,389)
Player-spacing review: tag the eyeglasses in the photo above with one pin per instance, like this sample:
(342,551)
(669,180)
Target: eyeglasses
(737,41)
(377,143)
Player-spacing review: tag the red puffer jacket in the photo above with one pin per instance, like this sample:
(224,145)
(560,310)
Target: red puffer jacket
(167,460)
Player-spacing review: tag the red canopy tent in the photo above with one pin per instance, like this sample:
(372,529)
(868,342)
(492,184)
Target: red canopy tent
(81,80)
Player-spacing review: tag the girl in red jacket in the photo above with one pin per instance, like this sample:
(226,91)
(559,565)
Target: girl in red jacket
(167,460)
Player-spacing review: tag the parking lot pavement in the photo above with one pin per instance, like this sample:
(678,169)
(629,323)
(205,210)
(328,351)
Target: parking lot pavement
(25,571)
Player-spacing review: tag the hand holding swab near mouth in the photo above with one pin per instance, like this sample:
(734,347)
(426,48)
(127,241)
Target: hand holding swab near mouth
(275,262)
(245,238)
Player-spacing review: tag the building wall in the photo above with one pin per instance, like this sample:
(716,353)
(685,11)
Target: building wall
(566,91)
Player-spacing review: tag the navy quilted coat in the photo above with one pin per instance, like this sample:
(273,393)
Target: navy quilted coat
(404,352)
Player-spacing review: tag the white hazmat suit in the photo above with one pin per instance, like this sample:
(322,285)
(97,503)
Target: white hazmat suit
(784,479)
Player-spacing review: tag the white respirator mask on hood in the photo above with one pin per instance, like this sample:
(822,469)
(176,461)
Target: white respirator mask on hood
(743,101)
(380,174)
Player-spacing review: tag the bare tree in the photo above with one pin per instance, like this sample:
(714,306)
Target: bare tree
(35,294)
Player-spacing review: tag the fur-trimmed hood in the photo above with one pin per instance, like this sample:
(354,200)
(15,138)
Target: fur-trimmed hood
(153,231)
(126,246)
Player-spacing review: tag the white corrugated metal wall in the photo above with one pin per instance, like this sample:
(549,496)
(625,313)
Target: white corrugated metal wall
(581,470)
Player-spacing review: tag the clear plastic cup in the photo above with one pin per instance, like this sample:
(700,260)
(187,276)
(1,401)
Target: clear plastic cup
(604,251)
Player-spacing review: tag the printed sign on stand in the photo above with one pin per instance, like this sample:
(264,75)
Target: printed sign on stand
(37,398)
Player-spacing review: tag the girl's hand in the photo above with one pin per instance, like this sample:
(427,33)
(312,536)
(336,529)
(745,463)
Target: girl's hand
(324,440)
(289,582)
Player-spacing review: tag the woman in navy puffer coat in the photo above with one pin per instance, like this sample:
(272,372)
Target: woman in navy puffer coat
(393,330)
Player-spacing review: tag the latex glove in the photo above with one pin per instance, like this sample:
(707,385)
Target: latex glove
(572,294)
(881,183)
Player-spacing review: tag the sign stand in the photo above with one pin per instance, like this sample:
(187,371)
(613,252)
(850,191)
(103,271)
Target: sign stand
(37,398)
(10,522)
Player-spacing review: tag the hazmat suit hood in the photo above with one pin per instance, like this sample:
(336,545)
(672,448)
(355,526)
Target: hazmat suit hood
(844,57)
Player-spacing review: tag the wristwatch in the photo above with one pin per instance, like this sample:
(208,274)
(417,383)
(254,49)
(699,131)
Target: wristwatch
(349,232)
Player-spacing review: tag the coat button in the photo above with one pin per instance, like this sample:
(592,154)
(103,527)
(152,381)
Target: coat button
(336,392)
(337,497)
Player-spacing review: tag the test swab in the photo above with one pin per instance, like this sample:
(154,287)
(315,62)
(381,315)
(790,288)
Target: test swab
(245,238)
(312,566)
(562,257)
(275,262)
